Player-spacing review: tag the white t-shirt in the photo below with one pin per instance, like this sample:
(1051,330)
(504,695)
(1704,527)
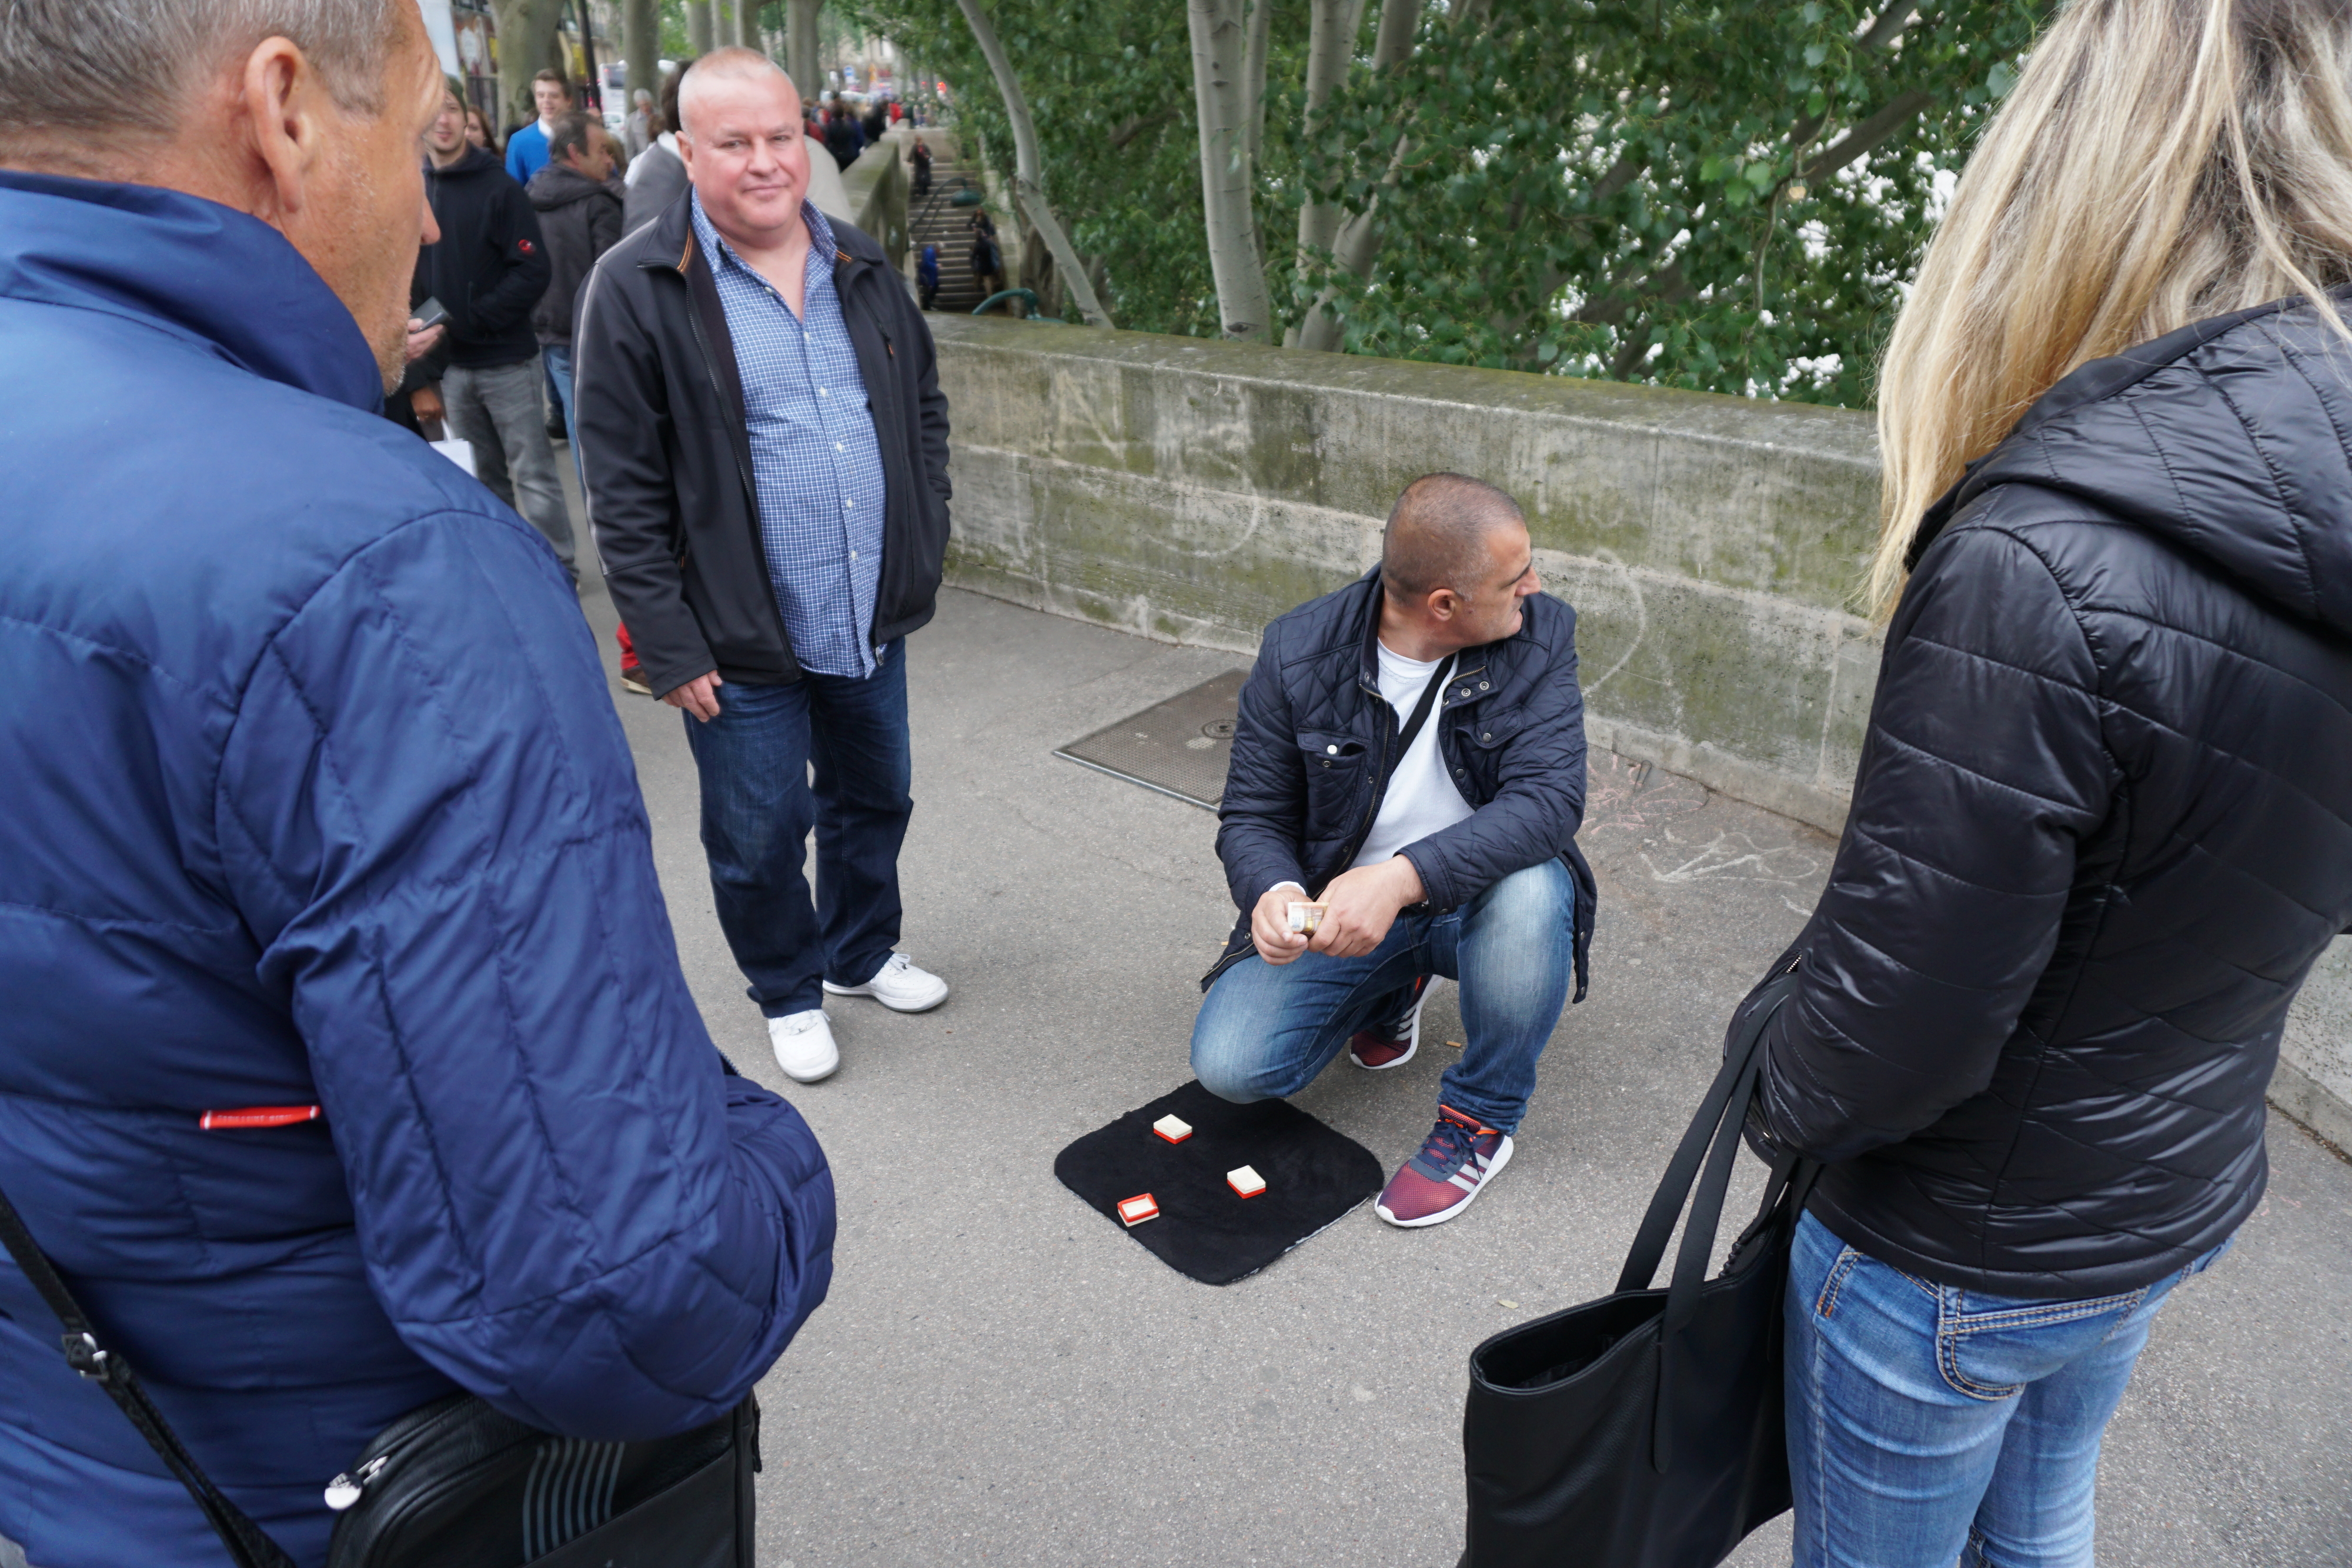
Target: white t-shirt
(1421,798)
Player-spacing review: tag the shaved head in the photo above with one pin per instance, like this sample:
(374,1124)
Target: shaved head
(1439,536)
(730,65)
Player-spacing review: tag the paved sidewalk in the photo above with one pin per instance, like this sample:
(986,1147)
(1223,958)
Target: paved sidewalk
(1003,1376)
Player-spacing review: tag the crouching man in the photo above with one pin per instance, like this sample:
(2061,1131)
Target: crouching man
(1410,756)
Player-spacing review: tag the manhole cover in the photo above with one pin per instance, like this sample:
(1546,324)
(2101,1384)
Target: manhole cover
(1179,747)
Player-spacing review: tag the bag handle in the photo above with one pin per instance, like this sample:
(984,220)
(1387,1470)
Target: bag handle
(248,1547)
(1713,1139)
(1649,1247)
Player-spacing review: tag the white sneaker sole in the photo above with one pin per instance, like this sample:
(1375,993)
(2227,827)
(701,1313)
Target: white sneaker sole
(808,1070)
(801,1076)
(1494,1168)
(923,1005)
(1413,1042)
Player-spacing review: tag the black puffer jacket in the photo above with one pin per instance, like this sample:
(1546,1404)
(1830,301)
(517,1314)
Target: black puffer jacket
(1309,748)
(2103,827)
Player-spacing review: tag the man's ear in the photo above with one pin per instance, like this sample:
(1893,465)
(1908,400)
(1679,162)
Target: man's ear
(1444,602)
(283,103)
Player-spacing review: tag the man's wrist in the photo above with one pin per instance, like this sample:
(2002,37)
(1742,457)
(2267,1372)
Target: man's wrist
(1409,890)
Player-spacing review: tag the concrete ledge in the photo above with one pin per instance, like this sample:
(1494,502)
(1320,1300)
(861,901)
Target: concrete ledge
(1192,490)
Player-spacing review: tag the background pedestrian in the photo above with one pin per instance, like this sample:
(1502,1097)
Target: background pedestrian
(488,269)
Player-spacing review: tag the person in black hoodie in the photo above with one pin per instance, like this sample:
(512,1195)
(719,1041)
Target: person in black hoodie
(488,270)
(2102,826)
(579,218)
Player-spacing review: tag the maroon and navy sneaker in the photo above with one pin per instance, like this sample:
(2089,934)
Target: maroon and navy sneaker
(1392,1044)
(1459,1158)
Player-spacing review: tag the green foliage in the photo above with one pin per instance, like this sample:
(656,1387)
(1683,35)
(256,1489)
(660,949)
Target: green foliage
(1589,187)
(1605,189)
(1109,84)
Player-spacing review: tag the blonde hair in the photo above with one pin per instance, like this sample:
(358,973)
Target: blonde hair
(2159,162)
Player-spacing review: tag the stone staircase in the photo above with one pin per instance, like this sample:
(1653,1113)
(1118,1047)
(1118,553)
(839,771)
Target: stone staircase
(935,220)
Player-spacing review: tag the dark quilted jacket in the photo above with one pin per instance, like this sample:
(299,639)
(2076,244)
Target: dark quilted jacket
(2101,828)
(1510,726)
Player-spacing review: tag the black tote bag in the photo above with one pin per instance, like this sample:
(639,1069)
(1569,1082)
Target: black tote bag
(1643,1429)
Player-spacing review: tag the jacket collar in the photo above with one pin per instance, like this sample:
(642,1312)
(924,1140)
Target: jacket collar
(212,277)
(473,160)
(1368,656)
(668,242)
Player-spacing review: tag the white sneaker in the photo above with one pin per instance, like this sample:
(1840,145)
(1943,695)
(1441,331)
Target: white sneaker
(804,1044)
(899,985)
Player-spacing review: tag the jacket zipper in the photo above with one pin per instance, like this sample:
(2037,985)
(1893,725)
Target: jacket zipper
(750,490)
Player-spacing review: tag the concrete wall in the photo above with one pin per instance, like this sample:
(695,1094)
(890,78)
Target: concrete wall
(1192,490)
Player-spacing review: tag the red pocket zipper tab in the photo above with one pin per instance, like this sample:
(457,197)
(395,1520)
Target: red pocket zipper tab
(257,1116)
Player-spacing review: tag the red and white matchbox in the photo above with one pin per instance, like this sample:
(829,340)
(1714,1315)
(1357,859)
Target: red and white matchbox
(1246,1181)
(1134,1211)
(1175,1129)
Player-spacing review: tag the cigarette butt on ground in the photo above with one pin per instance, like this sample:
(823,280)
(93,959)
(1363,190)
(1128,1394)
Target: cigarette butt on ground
(1454,1045)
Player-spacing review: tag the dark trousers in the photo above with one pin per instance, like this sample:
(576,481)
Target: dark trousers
(758,803)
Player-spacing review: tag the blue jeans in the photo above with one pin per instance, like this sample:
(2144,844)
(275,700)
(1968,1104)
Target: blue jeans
(556,357)
(1929,1423)
(758,803)
(1266,1030)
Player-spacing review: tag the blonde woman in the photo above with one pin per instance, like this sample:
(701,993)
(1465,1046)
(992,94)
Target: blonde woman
(2103,824)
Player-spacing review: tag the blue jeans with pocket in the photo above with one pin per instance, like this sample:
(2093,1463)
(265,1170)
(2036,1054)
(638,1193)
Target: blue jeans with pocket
(830,752)
(1266,1030)
(1930,1425)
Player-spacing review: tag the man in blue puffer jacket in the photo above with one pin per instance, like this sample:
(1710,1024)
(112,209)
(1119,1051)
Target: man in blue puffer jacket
(315,797)
(1410,752)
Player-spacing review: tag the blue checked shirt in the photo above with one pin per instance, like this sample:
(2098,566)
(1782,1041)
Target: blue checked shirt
(815,457)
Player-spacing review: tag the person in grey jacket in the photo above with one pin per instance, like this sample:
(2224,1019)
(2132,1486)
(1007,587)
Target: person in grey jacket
(580,218)
(657,176)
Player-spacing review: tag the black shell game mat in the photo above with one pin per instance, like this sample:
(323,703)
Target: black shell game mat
(1204,1230)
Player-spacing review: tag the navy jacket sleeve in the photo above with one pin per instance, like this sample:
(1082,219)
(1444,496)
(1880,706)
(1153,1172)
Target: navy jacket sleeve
(1539,800)
(525,272)
(1984,765)
(431,821)
(1264,801)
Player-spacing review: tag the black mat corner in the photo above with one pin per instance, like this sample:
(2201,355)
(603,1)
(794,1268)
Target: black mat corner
(1313,1176)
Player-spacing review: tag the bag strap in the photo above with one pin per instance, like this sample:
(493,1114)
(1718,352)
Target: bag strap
(1649,1247)
(248,1547)
(1421,711)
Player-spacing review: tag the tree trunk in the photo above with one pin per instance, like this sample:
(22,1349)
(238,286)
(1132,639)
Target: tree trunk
(1330,47)
(527,41)
(1358,243)
(800,48)
(1028,166)
(1228,179)
(1261,28)
(701,34)
(641,41)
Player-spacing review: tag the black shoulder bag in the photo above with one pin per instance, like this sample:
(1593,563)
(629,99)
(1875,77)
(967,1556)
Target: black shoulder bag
(1643,1430)
(455,1484)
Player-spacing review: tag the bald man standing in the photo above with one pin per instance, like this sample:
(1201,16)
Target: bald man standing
(1409,758)
(766,446)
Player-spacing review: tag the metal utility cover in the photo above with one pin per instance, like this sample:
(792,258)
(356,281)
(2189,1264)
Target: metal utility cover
(1179,747)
